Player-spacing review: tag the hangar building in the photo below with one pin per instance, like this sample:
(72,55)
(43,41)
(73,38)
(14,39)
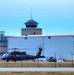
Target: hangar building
(53,45)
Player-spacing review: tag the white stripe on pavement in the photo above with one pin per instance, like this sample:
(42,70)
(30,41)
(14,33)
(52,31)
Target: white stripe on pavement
(36,69)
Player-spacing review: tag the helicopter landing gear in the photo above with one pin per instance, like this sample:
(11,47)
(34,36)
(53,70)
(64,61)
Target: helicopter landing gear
(7,60)
(34,60)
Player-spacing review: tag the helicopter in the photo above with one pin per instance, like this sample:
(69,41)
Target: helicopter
(19,56)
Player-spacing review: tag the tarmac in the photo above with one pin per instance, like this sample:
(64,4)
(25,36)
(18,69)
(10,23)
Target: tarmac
(36,69)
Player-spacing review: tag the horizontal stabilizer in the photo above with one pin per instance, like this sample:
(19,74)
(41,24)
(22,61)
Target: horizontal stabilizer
(42,57)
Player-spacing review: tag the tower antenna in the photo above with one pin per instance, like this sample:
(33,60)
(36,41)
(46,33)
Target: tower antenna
(31,13)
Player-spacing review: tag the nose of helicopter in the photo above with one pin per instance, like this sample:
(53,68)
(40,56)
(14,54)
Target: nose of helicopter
(2,58)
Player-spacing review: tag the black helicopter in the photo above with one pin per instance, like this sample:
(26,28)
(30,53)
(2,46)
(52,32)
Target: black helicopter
(18,56)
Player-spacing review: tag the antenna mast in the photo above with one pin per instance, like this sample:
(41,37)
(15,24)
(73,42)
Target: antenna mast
(31,13)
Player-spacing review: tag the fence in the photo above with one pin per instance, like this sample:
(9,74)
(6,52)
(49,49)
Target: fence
(35,64)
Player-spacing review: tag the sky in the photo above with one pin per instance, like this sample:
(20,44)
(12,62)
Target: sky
(53,16)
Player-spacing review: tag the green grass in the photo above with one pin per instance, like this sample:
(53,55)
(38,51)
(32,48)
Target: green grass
(38,73)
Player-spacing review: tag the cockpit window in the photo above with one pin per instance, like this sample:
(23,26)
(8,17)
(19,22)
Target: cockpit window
(5,55)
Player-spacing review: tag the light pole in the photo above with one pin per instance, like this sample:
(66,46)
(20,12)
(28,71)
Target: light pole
(72,54)
(73,46)
(43,45)
(72,58)
(55,58)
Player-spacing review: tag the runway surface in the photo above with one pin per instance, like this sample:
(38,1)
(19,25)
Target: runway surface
(36,69)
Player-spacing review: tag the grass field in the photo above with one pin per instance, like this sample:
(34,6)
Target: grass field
(38,73)
(35,64)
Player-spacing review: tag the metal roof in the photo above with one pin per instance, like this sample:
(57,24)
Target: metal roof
(31,22)
(51,35)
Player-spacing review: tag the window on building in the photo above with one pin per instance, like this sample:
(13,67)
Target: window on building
(1,38)
(5,45)
(28,26)
(1,45)
(34,33)
(49,37)
(1,34)
(5,38)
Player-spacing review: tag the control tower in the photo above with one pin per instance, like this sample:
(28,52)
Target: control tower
(31,28)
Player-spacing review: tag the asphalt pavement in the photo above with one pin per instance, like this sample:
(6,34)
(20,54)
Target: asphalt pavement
(36,69)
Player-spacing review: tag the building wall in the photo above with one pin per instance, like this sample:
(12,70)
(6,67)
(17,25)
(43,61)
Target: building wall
(3,42)
(2,33)
(59,46)
(31,31)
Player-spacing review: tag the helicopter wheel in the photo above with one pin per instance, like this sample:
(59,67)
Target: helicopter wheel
(34,60)
(7,60)
(14,60)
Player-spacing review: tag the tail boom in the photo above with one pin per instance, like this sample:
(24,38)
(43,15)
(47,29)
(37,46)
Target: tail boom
(39,53)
